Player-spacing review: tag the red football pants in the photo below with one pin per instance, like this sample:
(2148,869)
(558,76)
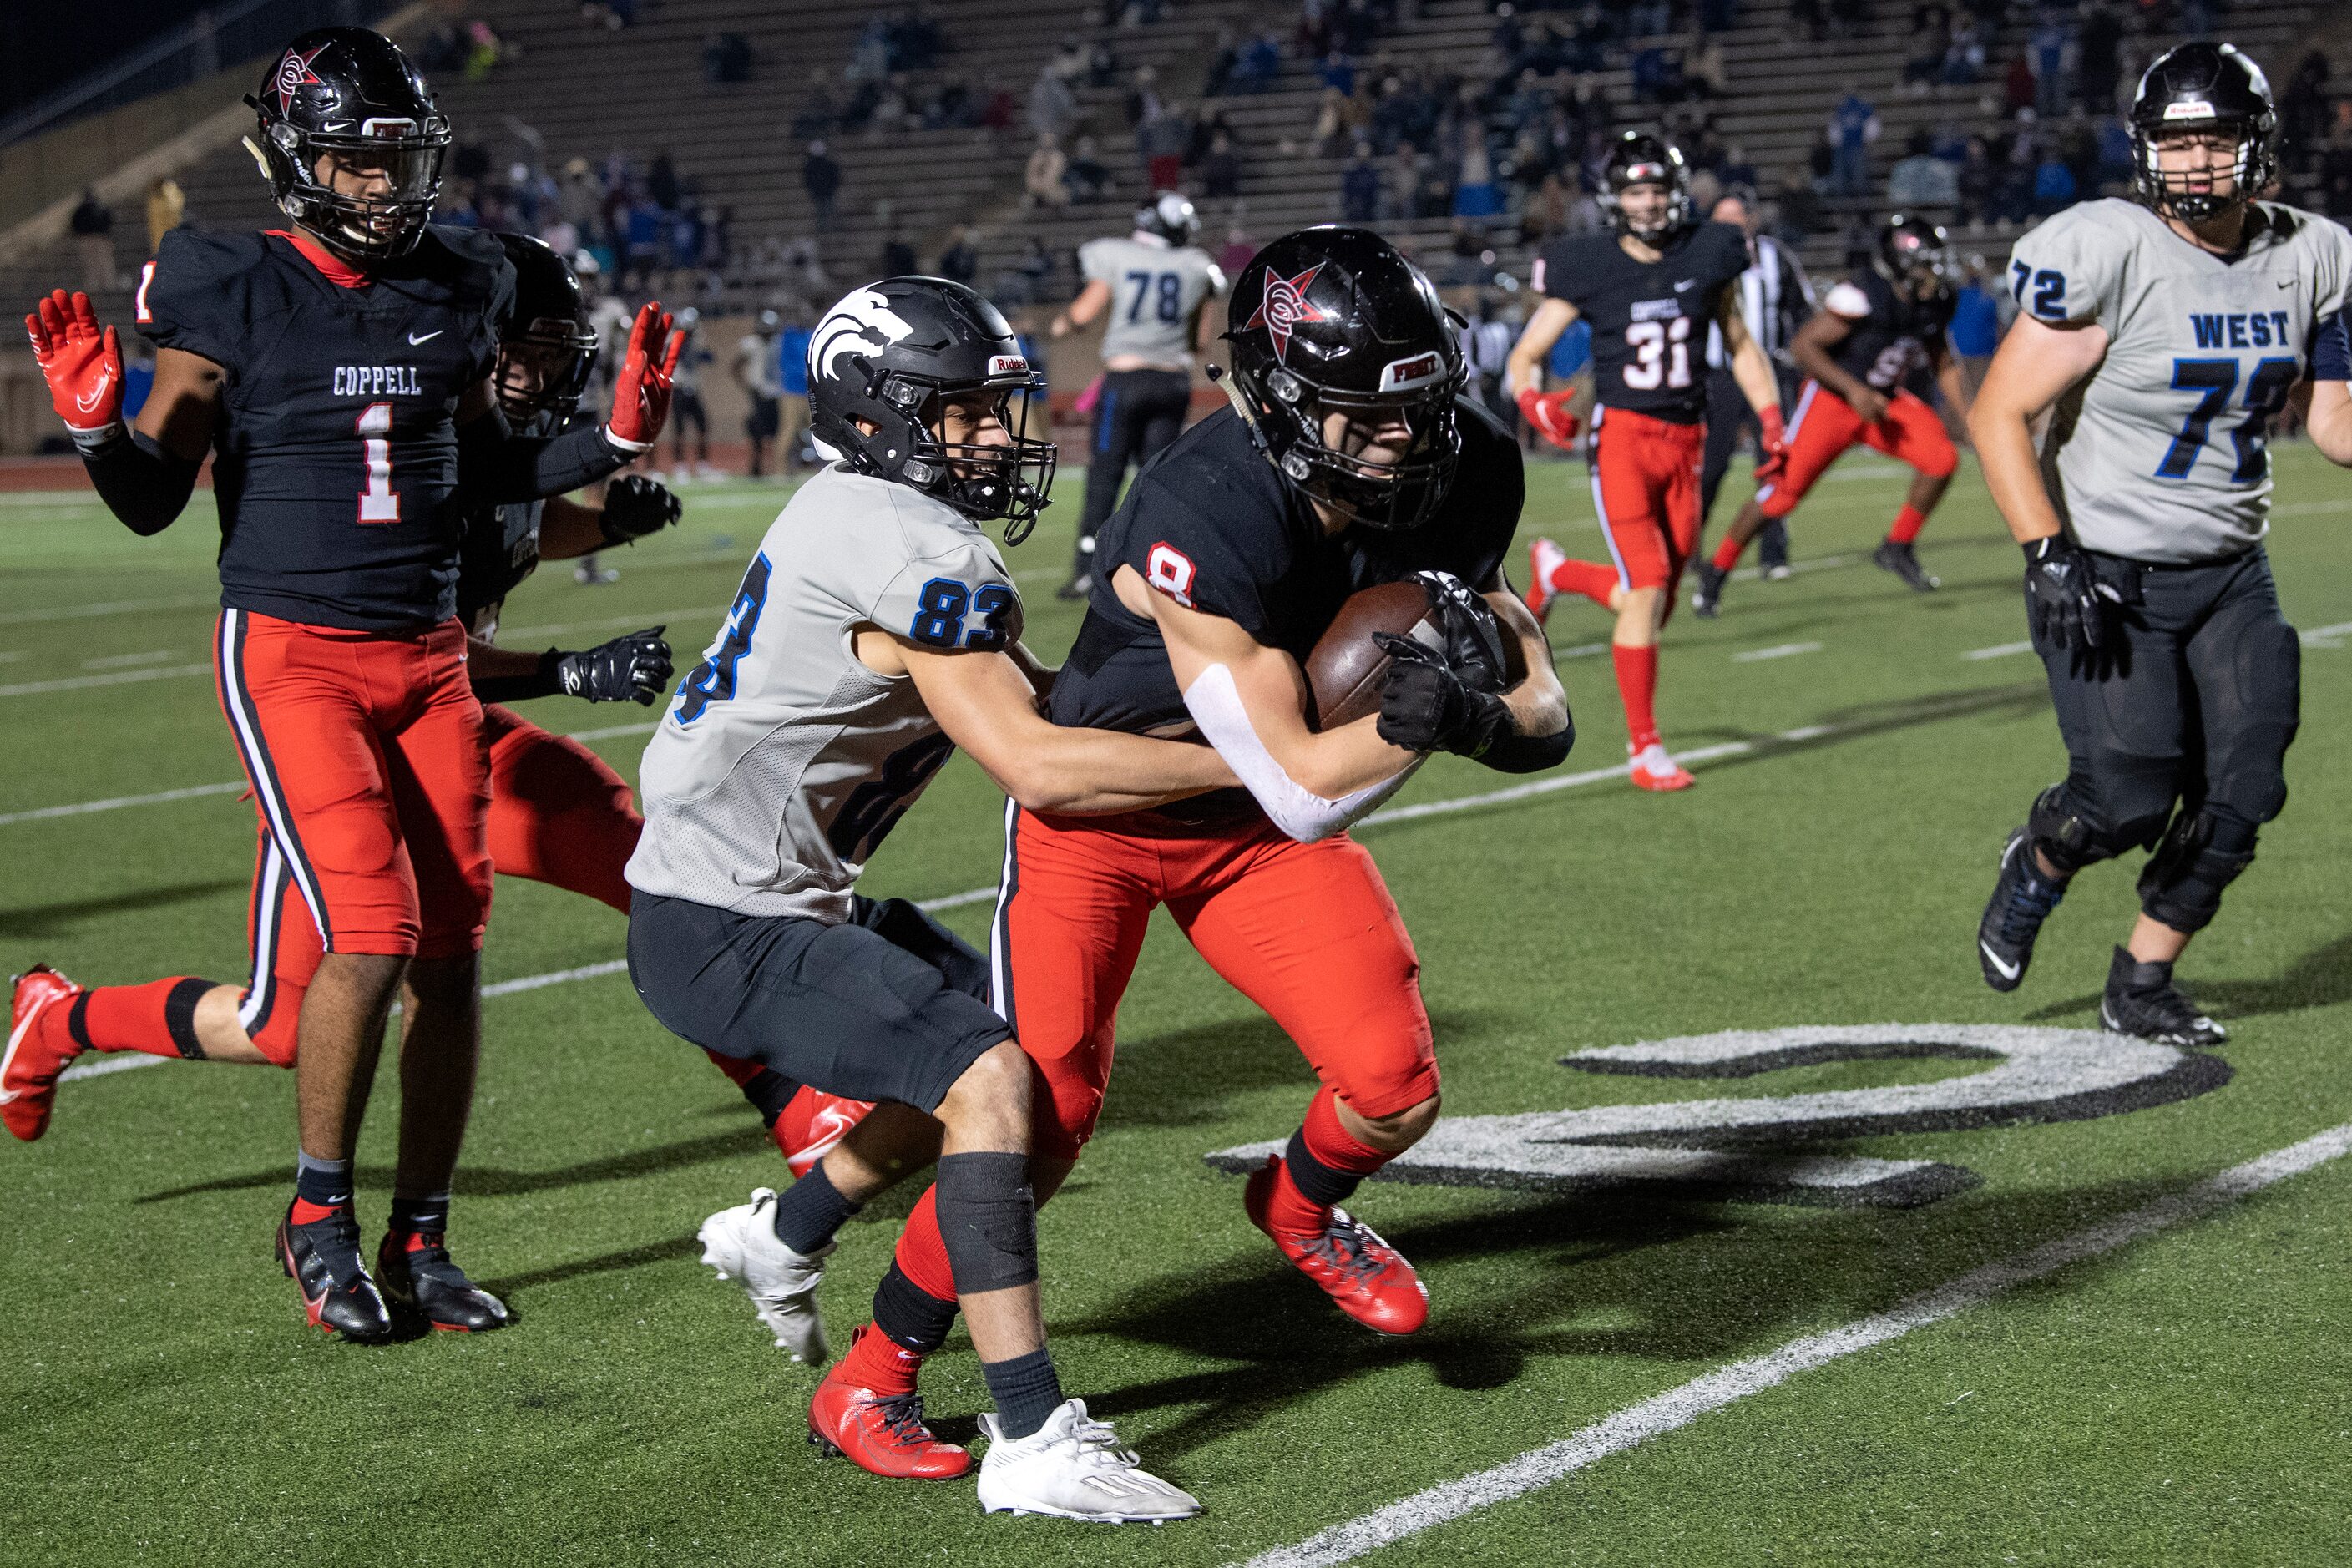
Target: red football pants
(1825,427)
(1308,932)
(1645,474)
(558,815)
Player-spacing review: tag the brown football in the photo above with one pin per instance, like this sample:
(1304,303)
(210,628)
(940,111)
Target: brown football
(1344,670)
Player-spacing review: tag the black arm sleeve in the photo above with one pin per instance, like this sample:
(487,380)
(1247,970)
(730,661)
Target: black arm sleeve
(541,682)
(140,483)
(495,465)
(1529,753)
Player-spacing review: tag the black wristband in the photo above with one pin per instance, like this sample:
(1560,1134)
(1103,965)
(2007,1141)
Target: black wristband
(541,682)
(142,485)
(1516,753)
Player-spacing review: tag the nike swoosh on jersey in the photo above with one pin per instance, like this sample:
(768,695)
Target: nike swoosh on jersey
(413,340)
(1685,283)
(2008,971)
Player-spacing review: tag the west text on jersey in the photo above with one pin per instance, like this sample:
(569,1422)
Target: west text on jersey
(2241,330)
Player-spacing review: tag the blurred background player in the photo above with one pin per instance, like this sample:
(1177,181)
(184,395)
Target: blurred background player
(350,356)
(1875,354)
(1776,298)
(1652,288)
(686,409)
(2174,325)
(1151,291)
(761,375)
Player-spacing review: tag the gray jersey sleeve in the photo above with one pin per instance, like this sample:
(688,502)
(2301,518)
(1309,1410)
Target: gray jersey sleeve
(2074,268)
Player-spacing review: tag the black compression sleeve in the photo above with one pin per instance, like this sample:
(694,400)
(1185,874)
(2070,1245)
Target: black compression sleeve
(140,483)
(496,465)
(1529,753)
(541,682)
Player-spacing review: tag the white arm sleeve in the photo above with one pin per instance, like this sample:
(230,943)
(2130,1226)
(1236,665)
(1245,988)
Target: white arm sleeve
(1215,704)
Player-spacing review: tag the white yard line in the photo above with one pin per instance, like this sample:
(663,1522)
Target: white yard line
(1999,650)
(113,608)
(2327,636)
(128,660)
(1678,1407)
(193,792)
(1779,650)
(119,678)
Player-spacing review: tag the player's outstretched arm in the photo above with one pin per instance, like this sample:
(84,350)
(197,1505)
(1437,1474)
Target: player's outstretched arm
(2034,366)
(633,667)
(985,704)
(633,507)
(496,465)
(1082,310)
(144,475)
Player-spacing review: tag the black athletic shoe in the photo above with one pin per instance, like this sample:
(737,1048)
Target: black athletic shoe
(323,1258)
(422,1279)
(1080,587)
(1707,595)
(2021,899)
(2142,1000)
(1903,559)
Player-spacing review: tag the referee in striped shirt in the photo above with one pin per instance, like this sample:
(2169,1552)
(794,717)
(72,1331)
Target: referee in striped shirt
(1775,296)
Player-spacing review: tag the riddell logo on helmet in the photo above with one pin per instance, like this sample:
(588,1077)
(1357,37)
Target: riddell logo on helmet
(2190,108)
(1284,307)
(1007,364)
(294,74)
(1404,374)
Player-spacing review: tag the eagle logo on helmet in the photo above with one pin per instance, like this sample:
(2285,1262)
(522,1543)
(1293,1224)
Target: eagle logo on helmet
(1284,307)
(294,74)
(862,323)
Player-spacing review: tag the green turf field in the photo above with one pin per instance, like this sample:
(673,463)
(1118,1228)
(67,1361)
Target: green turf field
(2176,1398)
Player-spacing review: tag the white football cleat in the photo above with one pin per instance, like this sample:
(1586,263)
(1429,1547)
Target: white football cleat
(1073,1467)
(1652,769)
(740,1244)
(1543,559)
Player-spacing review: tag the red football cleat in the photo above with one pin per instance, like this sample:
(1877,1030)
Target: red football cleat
(36,1052)
(881,1433)
(1368,1279)
(1652,769)
(813,1122)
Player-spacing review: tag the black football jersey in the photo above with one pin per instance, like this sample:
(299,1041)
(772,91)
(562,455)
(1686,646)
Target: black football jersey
(499,548)
(1211,524)
(1649,319)
(1895,340)
(335,462)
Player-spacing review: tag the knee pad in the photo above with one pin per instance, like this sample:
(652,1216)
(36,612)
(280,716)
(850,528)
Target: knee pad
(2073,831)
(2200,855)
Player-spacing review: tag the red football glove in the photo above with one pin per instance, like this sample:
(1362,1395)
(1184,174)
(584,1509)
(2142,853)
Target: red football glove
(83,364)
(641,392)
(1773,453)
(1547,412)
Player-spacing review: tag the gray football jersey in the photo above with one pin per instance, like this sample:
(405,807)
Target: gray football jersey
(782,760)
(1155,289)
(2162,453)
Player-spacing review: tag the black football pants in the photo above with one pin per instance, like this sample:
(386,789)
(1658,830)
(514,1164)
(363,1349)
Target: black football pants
(1728,418)
(2193,701)
(1141,411)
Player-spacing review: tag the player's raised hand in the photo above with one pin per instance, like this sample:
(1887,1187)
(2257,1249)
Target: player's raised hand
(83,364)
(641,392)
(631,668)
(1547,413)
(1772,446)
(636,506)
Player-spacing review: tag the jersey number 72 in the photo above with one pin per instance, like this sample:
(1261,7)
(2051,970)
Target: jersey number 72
(2216,379)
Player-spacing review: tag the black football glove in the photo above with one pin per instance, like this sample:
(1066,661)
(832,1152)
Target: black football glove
(2064,606)
(636,506)
(632,668)
(1426,705)
(1473,637)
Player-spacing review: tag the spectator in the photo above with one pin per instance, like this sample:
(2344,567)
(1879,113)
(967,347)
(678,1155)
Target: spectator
(1360,187)
(959,260)
(2048,51)
(1259,63)
(1088,175)
(2099,45)
(1964,58)
(1931,36)
(2053,184)
(820,177)
(1976,184)
(1221,62)
(758,372)
(662,182)
(166,205)
(93,231)
(1853,127)
(1051,106)
(1475,195)
(1162,142)
(1142,101)
(1921,179)
(726,59)
(1221,169)
(1338,73)
(1043,182)
(897,259)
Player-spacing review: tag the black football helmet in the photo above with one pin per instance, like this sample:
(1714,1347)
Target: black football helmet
(1913,248)
(349,94)
(1170,216)
(890,354)
(1644,158)
(2195,87)
(1334,320)
(549,318)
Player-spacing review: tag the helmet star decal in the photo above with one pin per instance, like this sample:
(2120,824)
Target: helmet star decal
(1284,307)
(294,74)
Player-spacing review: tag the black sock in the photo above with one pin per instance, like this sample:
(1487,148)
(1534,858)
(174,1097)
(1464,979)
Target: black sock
(326,1183)
(429,1214)
(809,1211)
(908,1316)
(1313,1178)
(1025,1390)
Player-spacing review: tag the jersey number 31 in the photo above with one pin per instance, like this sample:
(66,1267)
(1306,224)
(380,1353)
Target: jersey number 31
(1662,355)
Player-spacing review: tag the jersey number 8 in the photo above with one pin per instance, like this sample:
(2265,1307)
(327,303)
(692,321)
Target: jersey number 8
(1662,354)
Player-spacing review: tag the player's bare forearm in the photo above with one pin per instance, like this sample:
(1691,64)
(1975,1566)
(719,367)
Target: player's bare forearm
(2035,364)
(1811,348)
(182,405)
(2328,417)
(1753,371)
(1539,702)
(485,660)
(1090,302)
(568,529)
(1524,370)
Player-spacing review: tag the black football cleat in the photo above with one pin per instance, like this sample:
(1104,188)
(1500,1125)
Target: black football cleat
(422,1279)
(1707,595)
(1903,559)
(2021,899)
(323,1258)
(2142,1000)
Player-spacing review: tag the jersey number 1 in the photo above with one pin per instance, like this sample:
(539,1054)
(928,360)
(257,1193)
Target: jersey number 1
(377,502)
(1662,351)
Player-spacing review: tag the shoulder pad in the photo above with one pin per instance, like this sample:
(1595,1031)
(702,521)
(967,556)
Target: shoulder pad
(1848,298)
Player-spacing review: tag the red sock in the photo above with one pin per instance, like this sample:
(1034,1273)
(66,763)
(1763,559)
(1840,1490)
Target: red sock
(1341,1159)
(1908,524)
(922,1254)
(1728,550)
(876,1362)
(1593,579)
(159,1017)
(308,1213)
(1637,685)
